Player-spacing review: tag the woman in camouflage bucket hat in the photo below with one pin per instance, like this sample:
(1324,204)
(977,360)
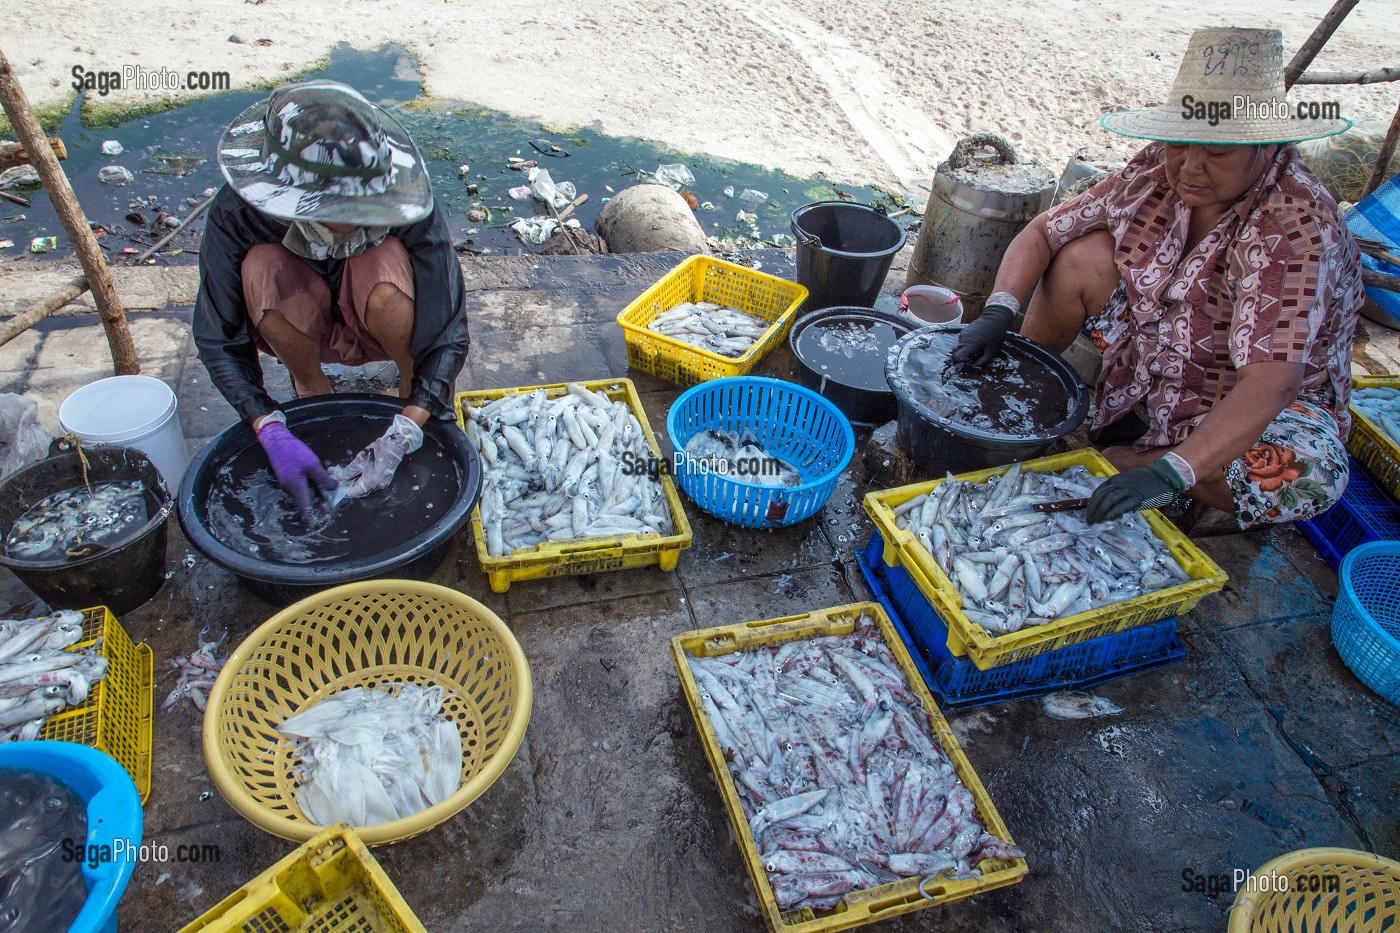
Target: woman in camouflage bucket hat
(327,246)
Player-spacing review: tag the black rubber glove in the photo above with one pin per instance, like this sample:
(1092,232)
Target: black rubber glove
(1149,487)
(980,341)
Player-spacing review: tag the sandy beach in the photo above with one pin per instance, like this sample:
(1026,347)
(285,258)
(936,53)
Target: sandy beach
(873,93)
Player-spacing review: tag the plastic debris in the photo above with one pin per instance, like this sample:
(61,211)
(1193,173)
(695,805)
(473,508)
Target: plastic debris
(544,188)
(112,148)
(535,229)
(42,244)
(751,196)
(463,170)
(209,192)
(744,217)
(115,175)
(6,244)
(19,176)
(784,240)
(728,191)
(707,205)
(675,176)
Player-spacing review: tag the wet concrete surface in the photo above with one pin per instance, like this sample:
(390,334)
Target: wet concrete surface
(608,818)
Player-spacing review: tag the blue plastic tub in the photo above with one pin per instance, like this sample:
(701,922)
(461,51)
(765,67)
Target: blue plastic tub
(113,813)
(792,423)
(1364,513)
(958,684)
(1366,616)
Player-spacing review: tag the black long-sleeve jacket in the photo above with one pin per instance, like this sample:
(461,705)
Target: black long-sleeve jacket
(223,334)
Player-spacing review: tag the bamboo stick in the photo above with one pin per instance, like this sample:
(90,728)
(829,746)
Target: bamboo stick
(70,212)
(1309,49)
(1392,138)
(1375,76)
(38,311)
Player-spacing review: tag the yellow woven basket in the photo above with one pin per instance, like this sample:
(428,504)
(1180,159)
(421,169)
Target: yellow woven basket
(1320,891)
(357,635)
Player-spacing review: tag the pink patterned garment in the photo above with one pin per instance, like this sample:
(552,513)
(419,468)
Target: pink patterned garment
(1278,278)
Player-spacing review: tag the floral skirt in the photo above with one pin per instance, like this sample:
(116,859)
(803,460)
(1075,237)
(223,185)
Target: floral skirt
(1296,471)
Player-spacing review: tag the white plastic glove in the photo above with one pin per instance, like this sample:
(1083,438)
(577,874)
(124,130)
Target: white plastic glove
(373,468)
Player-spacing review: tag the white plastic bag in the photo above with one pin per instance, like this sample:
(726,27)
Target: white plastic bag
(22,440)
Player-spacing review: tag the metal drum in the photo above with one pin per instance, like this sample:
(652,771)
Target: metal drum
(975,210)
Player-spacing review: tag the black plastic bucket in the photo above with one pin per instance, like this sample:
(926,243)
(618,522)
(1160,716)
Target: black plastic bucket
(939,445)
(121,577)
(860,400)
(323,422)
(844,252)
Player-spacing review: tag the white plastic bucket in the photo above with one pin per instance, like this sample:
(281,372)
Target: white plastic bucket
(130,411)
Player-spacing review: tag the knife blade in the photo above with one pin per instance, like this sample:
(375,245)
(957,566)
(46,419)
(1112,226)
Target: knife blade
(1059,505)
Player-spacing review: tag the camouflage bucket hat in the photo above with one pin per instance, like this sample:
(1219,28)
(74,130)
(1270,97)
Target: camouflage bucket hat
(318,150)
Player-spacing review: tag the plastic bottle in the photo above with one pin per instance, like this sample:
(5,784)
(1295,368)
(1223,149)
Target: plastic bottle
(931,304)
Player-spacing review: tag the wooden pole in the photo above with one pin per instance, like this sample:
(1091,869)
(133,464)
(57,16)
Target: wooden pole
(70,212)
(1392,138)
(1309,49)
(1374,76)
(37,312)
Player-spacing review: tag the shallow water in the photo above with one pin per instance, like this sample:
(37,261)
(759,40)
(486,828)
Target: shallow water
(171,155)
(850,351)
(251,514)
(66,521)
(41,878)
(1012,395)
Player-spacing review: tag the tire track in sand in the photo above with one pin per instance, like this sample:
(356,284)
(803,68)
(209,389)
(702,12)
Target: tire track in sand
(901,134)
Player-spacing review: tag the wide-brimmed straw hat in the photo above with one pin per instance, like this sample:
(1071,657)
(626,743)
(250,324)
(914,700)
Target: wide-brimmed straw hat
(1233,78)
(318,150)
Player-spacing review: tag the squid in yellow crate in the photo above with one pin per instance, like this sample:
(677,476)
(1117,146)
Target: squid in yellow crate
(849,796)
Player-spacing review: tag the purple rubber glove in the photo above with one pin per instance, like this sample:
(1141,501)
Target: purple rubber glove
(293,463)
(373,468)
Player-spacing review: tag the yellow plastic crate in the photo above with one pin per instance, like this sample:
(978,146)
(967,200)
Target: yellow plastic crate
(968,639)
(116,716)
(586,555)
(703,278)
(1371,446)
(869,904)
(331,883)
(1340,890)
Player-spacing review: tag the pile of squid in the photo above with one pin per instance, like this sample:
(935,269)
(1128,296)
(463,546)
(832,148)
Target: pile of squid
(842,782)
(1017,567)
(560,469)
(38,676)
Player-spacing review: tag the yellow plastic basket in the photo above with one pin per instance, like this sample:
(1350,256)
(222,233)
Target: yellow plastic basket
(586,555)
(968,639)
(1371,446)
(703,278)
(870,904)
(116,716)
(332,884)
(360,635)
(1331,890)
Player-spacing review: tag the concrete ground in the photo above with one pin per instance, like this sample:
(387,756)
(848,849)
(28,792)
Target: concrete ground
(1259,743)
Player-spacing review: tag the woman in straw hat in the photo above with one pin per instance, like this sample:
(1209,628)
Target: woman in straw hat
(326,246)
(1217,278)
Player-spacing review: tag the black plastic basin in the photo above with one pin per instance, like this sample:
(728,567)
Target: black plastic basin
(938,444)
(854,381)
(121,577)
(334,426)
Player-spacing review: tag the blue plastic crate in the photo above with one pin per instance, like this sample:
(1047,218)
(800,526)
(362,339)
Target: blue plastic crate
(1366,617)
(958,684)
(1363,514)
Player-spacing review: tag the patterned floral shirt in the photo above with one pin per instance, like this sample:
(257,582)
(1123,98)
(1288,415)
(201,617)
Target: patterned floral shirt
(1278,278)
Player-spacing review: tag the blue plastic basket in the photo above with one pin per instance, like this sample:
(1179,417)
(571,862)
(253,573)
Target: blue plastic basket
(1366,616)
(790,422)
(957,683)
(1363,514)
